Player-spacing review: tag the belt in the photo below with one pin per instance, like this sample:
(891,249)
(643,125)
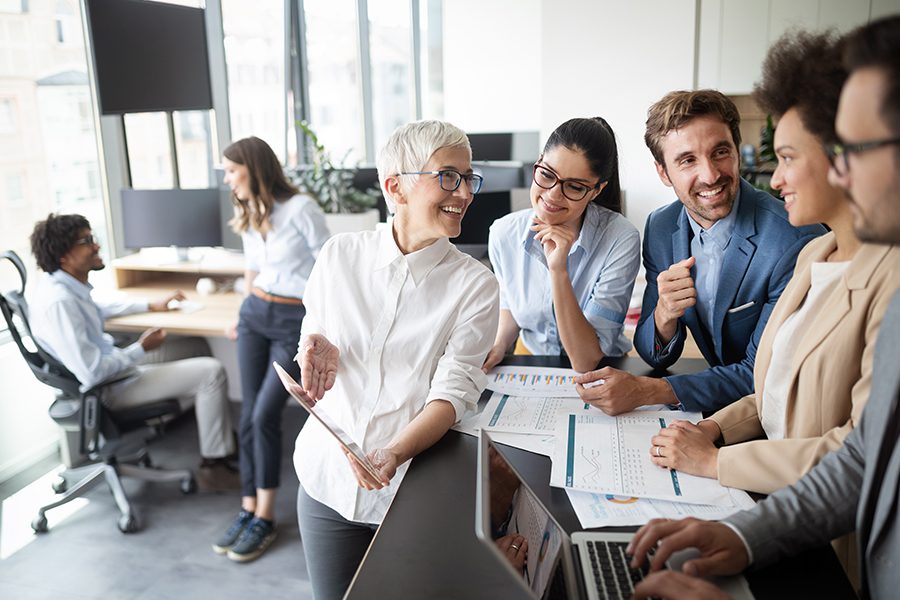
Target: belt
(276,299)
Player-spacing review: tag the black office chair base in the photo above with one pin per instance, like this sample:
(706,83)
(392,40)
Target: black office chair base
(112,471)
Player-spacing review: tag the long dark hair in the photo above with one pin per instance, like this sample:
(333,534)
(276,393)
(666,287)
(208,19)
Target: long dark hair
(595,139)
(268,184)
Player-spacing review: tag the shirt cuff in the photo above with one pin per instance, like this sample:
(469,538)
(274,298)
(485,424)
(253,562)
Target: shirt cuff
(663,350)
(743,540)
(135,352)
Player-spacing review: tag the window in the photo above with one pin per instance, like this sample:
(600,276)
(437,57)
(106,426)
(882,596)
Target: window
(392,68)
(49,149)
(149,151)
(254,54)
(335,95)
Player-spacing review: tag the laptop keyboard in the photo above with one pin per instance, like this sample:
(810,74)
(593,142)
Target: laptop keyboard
(611,573)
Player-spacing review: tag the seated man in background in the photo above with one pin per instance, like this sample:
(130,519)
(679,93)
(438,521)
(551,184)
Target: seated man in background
(717,261)
(856,486)
(67,322)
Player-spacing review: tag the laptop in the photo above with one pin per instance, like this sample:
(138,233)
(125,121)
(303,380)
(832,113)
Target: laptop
(587,564)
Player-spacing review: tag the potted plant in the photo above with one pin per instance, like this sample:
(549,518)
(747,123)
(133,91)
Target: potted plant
(331,184)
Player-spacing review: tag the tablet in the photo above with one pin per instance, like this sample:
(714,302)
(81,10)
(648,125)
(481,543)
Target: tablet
(296,390)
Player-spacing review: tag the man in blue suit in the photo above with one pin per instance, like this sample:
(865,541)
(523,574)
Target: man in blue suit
(717,261)
(856,487)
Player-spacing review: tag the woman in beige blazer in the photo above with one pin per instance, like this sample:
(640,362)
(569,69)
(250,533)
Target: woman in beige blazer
(814,362)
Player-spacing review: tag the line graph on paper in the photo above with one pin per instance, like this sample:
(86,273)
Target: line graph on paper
(533,381)
(518,414)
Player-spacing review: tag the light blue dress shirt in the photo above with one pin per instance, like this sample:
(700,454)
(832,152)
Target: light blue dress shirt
(285,258)
(708,248)
(67,323)
(603,263)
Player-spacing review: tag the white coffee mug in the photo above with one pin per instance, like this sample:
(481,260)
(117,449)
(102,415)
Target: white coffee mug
(206,286)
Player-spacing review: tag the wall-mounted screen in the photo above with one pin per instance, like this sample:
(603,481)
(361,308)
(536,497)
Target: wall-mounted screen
(149,56)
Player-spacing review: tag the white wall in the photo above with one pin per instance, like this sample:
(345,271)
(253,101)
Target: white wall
(492,64)
(27,433)
(618,58)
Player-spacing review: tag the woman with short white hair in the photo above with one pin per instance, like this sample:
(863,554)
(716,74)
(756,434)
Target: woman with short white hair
(398,323)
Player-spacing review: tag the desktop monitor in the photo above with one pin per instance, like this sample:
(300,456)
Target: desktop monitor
(149,56)
(481,214)
(183,218)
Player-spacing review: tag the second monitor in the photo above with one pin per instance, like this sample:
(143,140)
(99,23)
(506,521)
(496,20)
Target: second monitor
(182,218)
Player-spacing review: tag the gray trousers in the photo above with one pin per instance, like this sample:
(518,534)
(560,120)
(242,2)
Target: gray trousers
(332,545)
(199,382)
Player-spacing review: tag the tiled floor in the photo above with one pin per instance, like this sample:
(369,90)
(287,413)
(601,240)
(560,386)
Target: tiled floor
(85,555)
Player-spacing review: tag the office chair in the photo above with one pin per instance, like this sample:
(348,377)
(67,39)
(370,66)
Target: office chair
(101,429)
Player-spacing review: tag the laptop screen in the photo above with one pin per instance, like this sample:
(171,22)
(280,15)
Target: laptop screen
(508,510)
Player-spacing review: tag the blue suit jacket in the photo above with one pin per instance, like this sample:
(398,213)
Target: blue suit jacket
(756,267)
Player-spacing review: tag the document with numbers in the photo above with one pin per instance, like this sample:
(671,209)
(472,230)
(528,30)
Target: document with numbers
(528,414)
(611,455)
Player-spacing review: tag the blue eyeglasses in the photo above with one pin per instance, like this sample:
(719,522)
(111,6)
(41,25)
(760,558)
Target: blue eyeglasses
(450,179)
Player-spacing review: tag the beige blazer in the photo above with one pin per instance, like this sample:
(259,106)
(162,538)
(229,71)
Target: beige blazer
(831,372)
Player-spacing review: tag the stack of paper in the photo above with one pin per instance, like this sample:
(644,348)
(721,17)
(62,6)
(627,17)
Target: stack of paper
(602,462)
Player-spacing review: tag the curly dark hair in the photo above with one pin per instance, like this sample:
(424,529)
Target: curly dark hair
(803,70)
(54,237)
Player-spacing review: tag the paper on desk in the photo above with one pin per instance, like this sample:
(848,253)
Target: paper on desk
(533,381)
(471,424)
(528,414)
(185,306)
(594,452)
(608,510)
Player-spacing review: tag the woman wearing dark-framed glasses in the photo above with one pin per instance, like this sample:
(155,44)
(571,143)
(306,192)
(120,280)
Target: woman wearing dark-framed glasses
(567,265)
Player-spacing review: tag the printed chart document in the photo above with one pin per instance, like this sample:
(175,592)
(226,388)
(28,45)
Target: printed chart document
(295,390)
(528,414)
(609,510)
(611,455)
(544,382)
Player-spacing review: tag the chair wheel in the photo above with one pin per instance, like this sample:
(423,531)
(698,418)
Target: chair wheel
(39,524)
(189,485)
(60,485)
(128,524)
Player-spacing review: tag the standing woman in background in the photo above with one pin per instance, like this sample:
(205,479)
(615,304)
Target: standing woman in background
(567,265)
(282,232)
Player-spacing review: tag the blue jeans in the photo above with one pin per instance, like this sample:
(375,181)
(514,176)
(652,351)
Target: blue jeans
(267,332)
(332,545)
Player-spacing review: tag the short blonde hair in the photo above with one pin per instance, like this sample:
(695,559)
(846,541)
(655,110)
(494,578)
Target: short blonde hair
(411,146)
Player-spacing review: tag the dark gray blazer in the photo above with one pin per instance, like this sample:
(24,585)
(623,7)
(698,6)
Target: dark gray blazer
(854,487)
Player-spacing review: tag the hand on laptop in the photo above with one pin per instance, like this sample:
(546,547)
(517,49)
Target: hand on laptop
(318,359)
(673,585)
(722,551)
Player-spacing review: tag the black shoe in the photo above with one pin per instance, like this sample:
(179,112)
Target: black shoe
(228,539)
(254,540)
(218,475)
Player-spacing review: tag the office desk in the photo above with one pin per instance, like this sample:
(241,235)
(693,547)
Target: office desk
(138,277)
(426,546)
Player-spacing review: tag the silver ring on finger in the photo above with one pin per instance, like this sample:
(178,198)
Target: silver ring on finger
(657,452)
(514,547)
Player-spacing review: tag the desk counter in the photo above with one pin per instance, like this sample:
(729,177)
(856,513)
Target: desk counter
(426,546)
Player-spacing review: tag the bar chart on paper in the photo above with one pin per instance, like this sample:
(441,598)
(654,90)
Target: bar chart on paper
(533,381)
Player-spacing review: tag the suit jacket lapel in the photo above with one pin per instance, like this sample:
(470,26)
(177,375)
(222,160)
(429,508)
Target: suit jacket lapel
(735,262)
